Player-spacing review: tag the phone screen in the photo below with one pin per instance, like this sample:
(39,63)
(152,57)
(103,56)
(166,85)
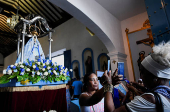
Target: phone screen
(108,67)
(120,66)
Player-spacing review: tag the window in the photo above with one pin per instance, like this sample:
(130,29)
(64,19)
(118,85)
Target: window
(59,59)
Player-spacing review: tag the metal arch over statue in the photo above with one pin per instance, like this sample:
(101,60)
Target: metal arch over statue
(33,26)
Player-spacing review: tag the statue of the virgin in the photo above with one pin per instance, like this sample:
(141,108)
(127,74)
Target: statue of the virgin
(32,51)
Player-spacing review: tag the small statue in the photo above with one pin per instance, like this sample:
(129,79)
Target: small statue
(88,64)
(76,71)
(104,67)
(141,58)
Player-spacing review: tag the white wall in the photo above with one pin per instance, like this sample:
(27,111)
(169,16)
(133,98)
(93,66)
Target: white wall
(73,35)
(109,24)
(132,24)
(11,59)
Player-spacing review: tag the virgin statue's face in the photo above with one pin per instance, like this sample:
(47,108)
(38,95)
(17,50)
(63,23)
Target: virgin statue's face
(93,83)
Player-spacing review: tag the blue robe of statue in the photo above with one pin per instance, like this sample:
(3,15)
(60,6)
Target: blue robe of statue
(32,51)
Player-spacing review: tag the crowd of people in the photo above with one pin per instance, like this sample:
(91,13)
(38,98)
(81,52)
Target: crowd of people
(150,93)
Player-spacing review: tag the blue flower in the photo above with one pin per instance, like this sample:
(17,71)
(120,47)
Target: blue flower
(14,67)
(59,69)
(51,73)
(50,61)
(51,68)
(26,64)
(22,70)
(45,66)
(8,69)
(67,73)
(39,60)
(63,72)
(44,60)
(30,63)
(52,64)
(59,66)
(56,68)
(57,73)
(63,67)
(9,66)
(36,68)
(15,70)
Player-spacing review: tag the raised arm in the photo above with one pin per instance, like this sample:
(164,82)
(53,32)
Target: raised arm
(87,100)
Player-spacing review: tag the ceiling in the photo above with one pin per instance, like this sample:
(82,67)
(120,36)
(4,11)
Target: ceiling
(123,9)
(8,38)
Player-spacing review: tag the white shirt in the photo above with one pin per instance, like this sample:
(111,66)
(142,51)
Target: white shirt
(99,107)
(139,104)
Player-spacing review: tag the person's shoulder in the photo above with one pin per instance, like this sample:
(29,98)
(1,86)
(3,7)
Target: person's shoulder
(149,97)
(83,97)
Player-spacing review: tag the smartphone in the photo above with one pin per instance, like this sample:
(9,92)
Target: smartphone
(108,67)
(120,66)
(126,81)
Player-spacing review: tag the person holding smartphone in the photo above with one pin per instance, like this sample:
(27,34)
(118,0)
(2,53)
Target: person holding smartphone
(155,73)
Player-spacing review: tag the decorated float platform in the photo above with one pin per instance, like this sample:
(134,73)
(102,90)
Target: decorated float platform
(31,68)
(14,83)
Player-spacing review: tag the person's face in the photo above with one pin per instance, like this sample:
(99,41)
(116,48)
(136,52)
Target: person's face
(147,80)
(93,83)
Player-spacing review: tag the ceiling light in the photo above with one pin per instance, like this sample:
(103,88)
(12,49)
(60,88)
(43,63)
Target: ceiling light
(11,22)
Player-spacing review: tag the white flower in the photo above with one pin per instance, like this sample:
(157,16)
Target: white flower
(48,67)
(22,66)
(54,72)
(4,71)
(46,73)
(43,69)
(20,62)
(27,69)
(32,75)
(61,73)
(9,72)
(16,64)
(33,72)
(34,66)
(64,74)
(66,69)
(38,63)
(71,70)
(47,63)
(43,64)
(11,66)
(54,64)
(38,73)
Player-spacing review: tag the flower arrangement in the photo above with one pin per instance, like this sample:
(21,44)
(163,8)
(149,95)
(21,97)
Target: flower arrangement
(35,71)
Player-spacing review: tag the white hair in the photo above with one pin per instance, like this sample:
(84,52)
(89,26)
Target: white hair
(161,53)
